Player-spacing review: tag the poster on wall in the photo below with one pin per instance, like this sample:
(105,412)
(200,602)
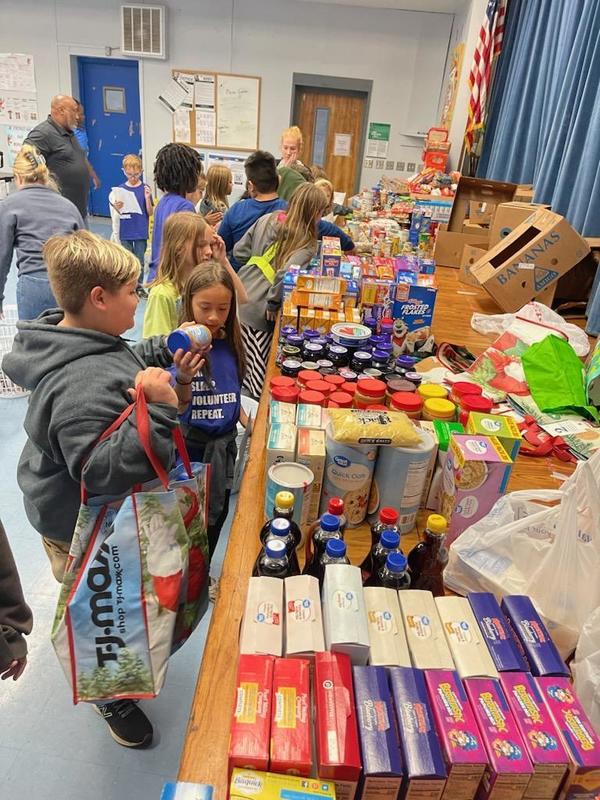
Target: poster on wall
(174,95)
(378,139)
(451,90)
(19,109)
(181,126)
(236,165)
(14,138)
(16,73)
(342,144)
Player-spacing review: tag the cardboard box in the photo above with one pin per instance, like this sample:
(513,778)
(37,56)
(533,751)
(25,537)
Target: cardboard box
(378,734)
(291,720)
(308,416)
(281,443)
(530,632)
(185,790)
(542,742)
(482,212)
(388,645)
(303,619)
(509,770)
(443,432)
(449,246)
(323,284)
(471,254)
(496,633)
(413,316)
(468,649)
(329,302)
(426,641)
(509,216)
(262,624)
(530,259)
(429,428)
(330,256)
(281,412)
(578,737)
(462,746)
(505,429)
(344,615)
(338,752)
(311,453)
(524,193)
(249,784)
(424,770)
(251,723)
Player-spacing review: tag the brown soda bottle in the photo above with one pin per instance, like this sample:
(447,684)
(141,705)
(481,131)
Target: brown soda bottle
(284,508)
(427,560)
(388,520)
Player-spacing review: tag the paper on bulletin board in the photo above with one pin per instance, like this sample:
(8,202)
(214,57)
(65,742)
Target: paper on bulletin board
(14,138)
(181,125)
(236,165)
(187,82)
(378,139)
(206,127)
(205,92)
(342,145)
(16,72)
(173,95)
(237,112)
(18,109)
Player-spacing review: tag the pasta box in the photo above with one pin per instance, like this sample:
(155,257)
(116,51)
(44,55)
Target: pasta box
(388,645)
(496,633)
(251,723)
(426,642)
(532,635)
(344,614)
(291,720)
(412,311)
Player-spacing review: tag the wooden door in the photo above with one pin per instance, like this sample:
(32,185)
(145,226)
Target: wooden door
(332,127)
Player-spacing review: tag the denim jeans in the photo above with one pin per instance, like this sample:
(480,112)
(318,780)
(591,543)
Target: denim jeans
(138,248)
(34,295)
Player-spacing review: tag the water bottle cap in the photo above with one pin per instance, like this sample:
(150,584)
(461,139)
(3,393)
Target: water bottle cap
(280,526)
(336,506)
(330,523)
(390,540)
(396,562)
(437,523)
(336,548)
(284,500)
(276,548)
(389,516)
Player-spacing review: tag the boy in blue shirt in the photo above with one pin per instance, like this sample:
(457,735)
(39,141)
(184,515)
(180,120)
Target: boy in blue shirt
(133,228)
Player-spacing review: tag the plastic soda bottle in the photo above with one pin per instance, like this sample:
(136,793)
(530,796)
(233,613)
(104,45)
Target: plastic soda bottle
(273,562)
(427,560)
(335,553)
(329,528)
(388,520)
(394,573)
(388,543)
(280,528)
(336,507)
(284,508)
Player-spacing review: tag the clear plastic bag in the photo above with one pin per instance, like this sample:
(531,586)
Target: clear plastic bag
(586,668)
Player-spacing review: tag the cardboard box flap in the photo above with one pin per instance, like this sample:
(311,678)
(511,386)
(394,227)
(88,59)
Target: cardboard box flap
(480,191)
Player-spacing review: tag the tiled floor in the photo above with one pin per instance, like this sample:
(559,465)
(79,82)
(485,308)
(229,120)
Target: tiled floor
(49,748)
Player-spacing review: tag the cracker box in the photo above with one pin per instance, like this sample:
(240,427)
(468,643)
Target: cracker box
(542,742)
(291,720)
(505,429)
(303,619)
(509,769)
(281,443)
(469,651)
(251,723)
(247,784)
(424,770)
(459,736)
(281,412)
(311,453)
(344,614)
(338,751)
(375,292)
(321,284)
(538,648)
(262,625)
(496,633)
(308,416)
(426,641)
(388,645)
(378,734)
(475,475)
(578,737)
(413,314)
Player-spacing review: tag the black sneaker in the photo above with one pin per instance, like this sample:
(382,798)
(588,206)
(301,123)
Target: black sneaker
(128,724)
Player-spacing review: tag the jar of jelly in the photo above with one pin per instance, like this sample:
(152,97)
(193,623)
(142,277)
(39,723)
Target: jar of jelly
(405,364)
(325,363)
(373,372)
(294,340)
(380,359)
(287,351)
(280,381)
(286,330)
(386,327)
(360,361)
(291,368)
(338,355)
(311,365)
(348,375)
(414,377)
(320,386)
(369,392)
(371,323)
(396,386)
(313,352)
(310,334)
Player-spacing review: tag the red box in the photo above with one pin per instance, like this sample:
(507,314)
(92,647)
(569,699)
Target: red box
(338,751)
(291,747)
(251,723)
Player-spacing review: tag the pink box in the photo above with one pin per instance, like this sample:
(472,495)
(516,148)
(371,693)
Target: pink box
(542,741)
(509,770)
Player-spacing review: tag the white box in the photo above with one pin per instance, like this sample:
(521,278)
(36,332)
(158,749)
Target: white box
(311,453)
(469,651)
(389,647)
(426,641)
(303,618)
(262,625)
(344,615)
(281,444)
(309,416)
(281,412)
(429,427)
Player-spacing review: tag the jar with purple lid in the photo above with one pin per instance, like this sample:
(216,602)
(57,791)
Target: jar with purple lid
(294,340)
(387,346)
(406,363)
(380,359)
(310,334)
(320,340)
(376,340)
(371,323)
(287,330)
(414,378)
(361,361)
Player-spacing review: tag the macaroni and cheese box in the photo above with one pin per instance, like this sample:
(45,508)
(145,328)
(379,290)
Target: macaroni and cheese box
(344,614)
(578,737)
(291,720)
(542,742)
(281,412)
(329,302)
(530,632)
(378,734)
(388,645)
(338,752)
(496,633)
(303,619)
(458,733)
(505,429)
(262,625)
(308,416)
(509,770)
(469,651)
(249,784)
(424,770)
(281,443)
(311,453)
(251,723)
(426,641)
(429,427)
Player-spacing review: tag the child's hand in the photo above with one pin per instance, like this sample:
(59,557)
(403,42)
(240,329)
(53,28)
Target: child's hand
(14,669)
(188,365)
(218,248)
(156,385)
(214,217)
(147,192)
(118,204)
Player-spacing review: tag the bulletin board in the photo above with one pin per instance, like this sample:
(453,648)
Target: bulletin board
(222,110)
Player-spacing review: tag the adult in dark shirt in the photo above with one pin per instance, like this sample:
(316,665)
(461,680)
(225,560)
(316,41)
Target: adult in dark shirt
(55,139)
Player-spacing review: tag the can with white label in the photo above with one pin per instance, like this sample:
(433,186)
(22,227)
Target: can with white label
(290,477)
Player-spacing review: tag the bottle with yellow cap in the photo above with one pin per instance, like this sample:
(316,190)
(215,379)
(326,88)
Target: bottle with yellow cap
(284,508)
(427,560)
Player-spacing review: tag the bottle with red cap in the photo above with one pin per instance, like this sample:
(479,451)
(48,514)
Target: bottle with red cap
(388,521)
(335,507)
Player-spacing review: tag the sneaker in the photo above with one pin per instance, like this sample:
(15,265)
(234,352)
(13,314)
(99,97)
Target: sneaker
(213,589)
(128,724)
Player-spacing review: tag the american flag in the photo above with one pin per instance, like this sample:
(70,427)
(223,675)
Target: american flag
(488,46)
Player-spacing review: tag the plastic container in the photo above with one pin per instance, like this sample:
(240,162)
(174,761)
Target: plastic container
(389,542)
(313,351)
(394,574)
(461,389)
(340,400)
(473,402)
(337,354)
(414,377)
(336,507)
(324,364)
(431,391)
(310,334)
(291,368)
(386,326)
(283,508)
(329,528)
(439,409)
(369,392)
(320,386)
(286,394)
(380,359)
(348,375)
(335,380)
(196,336)
(361,361)
(310,366)
(371,323)
(409,402)
(288,351)
(305,376)
(349,388)
(373,372)
(280,528)
(335,553)
(273,562)
(428,559)
(350,335)
(406,363)
(397,384)
(310,398)
(279,381)
(377,407)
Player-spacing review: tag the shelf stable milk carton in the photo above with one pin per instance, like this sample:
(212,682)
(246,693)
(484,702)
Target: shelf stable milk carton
(426,641)
(344,614)
(532,635)
(248,784)
(251,723)
(303,618)
(542,742)
(496,633)
(262,625)
(378,734)
(469,651)
(387,639)
(456,726)
(291,720)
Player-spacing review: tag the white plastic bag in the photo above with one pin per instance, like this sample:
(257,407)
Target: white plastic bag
(586,668)
(534,312)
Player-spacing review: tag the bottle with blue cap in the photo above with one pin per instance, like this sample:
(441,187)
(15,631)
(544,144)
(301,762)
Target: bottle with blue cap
(389,542)
(281,529)
(284,507)
(329,528)
(273,562)
(335,553)
(394,573)
(196,337)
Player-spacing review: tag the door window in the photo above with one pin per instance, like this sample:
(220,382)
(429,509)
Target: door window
(114,100)
(321,129)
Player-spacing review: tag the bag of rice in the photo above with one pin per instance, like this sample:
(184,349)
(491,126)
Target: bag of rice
(356,426)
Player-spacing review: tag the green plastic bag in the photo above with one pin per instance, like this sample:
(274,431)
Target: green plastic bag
(556,378)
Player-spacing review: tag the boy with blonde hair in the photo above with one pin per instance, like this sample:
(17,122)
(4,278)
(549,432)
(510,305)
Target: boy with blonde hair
(133,228)
(82,375)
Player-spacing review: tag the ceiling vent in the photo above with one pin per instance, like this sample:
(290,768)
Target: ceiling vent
(143,31)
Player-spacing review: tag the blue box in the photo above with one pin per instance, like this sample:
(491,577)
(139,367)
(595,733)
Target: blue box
(496,633)
(182,790)
(531,633)
(412,311)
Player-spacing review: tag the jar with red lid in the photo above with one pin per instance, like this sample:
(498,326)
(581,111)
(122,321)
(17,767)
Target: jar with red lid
(473,402)
(280,381)
(395,385)
(409,402)
(309,398)
(369,391)
(461,389)
(377,407)
(349,388)
(305,376)
(320,386)
(340,400)
(285,394)
(335,380)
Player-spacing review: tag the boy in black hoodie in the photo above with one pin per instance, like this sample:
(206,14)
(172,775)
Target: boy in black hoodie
(82,375)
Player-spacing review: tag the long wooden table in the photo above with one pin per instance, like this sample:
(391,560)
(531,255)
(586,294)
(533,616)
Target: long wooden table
(204,757)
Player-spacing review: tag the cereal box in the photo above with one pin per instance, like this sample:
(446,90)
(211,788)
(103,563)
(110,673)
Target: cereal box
(311,453)
(291,721)
(251,723)
(509,770)
(262,625)
(542,742)
(184,790)
(413,314)
(424,634)
(475,475)
(505,429)
(469,651)
(458,733)
(388,645)
(303,619)
(532,635)
(442,432)
(496,633)
(331,256)
(247,784)
(578,737)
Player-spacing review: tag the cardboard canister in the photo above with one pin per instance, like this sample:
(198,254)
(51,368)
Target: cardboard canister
(348,474)
(290,477)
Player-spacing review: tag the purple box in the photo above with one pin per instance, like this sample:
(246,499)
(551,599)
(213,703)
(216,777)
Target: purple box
(425,773)
(378,734)
(496,633)
(539,649)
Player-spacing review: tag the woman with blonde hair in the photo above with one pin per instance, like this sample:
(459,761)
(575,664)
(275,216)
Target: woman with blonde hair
(219,185)
(28,217)
(267,250)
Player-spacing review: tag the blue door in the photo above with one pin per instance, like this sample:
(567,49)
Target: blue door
(110,93)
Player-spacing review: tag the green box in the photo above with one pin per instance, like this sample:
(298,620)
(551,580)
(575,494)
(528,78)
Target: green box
(505,429)
(444,430)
